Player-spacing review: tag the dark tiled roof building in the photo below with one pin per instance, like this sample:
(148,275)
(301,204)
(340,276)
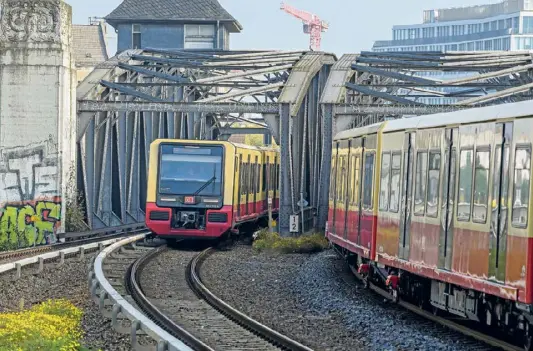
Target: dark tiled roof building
(172,24)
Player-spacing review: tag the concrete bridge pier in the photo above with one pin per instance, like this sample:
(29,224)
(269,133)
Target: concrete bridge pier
(37,120)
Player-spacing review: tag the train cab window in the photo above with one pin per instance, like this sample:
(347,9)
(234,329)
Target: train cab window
(420,182)
(394,202)
(522,172)
(368,178)
(432,203)
(465,185)
(384,184)
(481,186)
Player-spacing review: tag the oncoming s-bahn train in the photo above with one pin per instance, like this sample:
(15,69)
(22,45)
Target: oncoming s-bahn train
(437,210)
(209,189)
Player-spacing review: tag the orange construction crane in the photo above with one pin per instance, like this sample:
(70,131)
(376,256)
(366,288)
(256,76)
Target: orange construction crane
(312,24)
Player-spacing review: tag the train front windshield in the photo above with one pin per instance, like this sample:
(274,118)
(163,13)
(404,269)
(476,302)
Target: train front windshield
(191,170)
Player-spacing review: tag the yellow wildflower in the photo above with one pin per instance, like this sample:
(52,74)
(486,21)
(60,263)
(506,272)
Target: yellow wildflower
(51,325)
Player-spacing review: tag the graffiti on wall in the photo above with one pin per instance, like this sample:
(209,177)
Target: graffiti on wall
(30,202)
(29,223)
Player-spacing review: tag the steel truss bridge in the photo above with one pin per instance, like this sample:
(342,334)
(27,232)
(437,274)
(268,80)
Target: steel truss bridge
(301,98)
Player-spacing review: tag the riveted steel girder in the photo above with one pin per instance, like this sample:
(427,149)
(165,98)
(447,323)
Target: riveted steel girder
(142,95)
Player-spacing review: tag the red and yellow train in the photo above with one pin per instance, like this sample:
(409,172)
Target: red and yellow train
(209,189)
(436,209)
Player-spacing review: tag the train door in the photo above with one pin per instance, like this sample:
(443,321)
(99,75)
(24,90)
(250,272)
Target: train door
(360,191)
(333,188)
(238,161)
(347,189)
(500,194)
(406,195)
(447,196)
(266,181)
(256,184)
(248,178)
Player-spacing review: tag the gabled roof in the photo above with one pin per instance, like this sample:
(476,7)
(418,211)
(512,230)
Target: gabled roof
(88,45)
(172,10)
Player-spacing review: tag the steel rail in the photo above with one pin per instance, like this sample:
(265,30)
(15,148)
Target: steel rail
(102,291)
(76,239)
(490,340)
(133,287)
(193,276)
(39,259)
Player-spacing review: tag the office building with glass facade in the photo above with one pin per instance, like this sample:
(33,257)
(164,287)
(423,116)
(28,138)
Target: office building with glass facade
(507,25)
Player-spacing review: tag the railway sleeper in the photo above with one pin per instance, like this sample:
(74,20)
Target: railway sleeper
(491,313)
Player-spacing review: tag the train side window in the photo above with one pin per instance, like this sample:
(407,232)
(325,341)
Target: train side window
(421,182)
(257,181)
(465,185)
(481,186)
(253,179)
(265,174)
(384,190)
(340,178)
(241,169)
(368,181)
(332,178)
(432,203)
(352,180)
(394,202)
(522,172)
(357,180)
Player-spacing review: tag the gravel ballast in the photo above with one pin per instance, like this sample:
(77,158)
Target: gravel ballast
(68,281)
(313,299)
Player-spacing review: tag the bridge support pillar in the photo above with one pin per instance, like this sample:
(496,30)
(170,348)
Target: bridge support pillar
(285,207)
(37,118)
(325,170)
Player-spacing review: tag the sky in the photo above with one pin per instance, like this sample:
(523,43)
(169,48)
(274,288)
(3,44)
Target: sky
(354,25)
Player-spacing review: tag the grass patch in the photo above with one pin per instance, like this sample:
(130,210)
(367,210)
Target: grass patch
(54,325)
(266,241)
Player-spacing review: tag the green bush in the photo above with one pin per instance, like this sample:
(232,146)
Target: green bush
(266,241)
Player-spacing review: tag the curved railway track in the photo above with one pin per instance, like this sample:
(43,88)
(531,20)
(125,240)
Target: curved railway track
(491,341)
(195,315)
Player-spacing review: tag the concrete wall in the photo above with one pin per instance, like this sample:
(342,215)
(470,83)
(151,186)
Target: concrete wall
(37,119)
(162,36)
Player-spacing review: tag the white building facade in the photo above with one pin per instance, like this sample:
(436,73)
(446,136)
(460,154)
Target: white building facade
(507,25)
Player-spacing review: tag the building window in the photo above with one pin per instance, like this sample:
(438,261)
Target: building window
(136,36)
(527,25)
(199,36)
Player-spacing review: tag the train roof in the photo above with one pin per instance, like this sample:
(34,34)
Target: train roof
(466,116)
(251,147)
(352,133)
(221,142)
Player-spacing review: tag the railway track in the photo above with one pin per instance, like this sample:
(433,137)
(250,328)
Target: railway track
(73,240)
(189,311)
(492,343)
